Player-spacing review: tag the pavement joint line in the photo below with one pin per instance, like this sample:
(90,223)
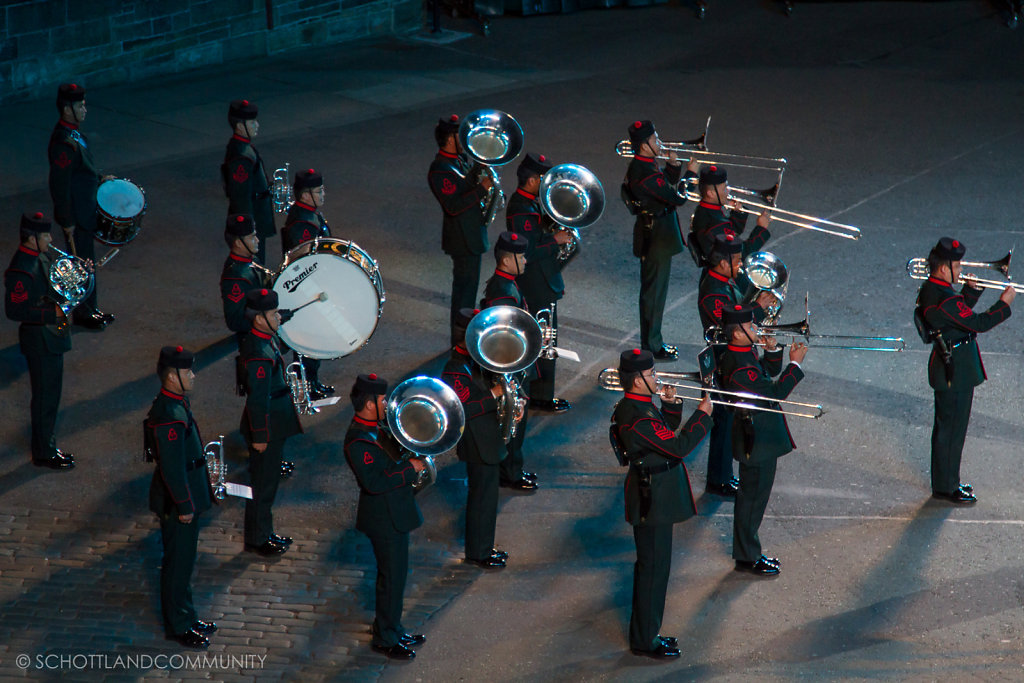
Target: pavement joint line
(887,518)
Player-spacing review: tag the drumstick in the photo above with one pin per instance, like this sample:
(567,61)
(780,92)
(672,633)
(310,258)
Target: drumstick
(322,296)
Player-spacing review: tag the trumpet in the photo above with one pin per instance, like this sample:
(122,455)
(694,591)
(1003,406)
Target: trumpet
(609,379)
(213,452)
(917,268)
(267,276)
(697,149)
(299,386)
(280,190)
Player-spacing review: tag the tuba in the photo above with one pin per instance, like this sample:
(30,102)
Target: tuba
(491,138)
(505,340)
(766,272)
(71,280)
(426,418)
(573,198)
(281,190)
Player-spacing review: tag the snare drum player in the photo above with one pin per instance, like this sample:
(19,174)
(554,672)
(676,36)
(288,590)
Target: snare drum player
(43,336)
(387,512)
(954,367)
(178,493)
(501,290)
(304,223)
(716,215)
(541,282)
(657,489)
(463,229)
(245,178)
(268,420)
(74,180)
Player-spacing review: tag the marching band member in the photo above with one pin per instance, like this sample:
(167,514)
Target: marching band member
(239,276)
(954,366)
(718,291)
(463,230)
(43,336)
(387,512)
(74,180)
(717,215)
(657,490)
(541,282)
(178,494)
(501,290)
(481,448)
(652,196)
(759,438)
(245,178)
(268,420)
(304,223)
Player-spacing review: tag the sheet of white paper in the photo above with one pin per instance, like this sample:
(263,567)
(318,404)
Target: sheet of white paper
(324,402)
(238,490)
(566,353)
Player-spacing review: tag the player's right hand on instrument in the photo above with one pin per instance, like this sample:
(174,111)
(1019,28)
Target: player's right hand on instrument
(185,519)
(797,352)
(496,391)
(562,237)
(766,300)
(486,182)
(764,219)
(259,447)
(61,318)
(693,166)
(705,405)
(673,159)
(735,203)
(1008,295)
(417,464)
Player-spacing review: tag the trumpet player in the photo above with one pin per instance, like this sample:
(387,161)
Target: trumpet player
(716,214)
(718,291)
(501,290)
(387,512)
(43,336)
(541,281)
(481,448)
(239,275)
(759,438)
(954,367)
(268,420)
(178,494)
(657,489)
(245,179)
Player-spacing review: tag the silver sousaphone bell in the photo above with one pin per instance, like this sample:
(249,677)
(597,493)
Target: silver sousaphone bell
(574,198)
(768,273)
(491,138)
(425,416)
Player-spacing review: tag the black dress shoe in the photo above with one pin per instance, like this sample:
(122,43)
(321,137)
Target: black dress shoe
(268,548)
(663,651)
(281,540)
(396,651)
(58,461)
(491,562)
(960,497)
(763,567)
(92,321)
(669,641)
(412,639)
(107,317)
(287,467)
(555,405)
(728,489)
(500,554)
(967,488)
(532,476)
(666,353)
(204,627)
(192,638)
(521,484)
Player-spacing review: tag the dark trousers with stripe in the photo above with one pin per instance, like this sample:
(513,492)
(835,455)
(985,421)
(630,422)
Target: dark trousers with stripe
(756,482)
(46,376)
(720,446)
(650,583)
(481,509)
(391,550)
(465,283)
(654,276)
(952,415)
(264,477)
(180,541)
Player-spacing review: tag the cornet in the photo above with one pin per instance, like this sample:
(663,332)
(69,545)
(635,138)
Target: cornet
(281,190)
(214,454)
(295,373)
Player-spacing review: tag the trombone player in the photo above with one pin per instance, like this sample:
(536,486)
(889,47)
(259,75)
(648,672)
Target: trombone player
(716,215)
(954,366)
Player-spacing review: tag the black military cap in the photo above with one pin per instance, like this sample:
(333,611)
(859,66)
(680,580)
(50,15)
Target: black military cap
(175,357)
(371,384)
(713,175)
(538,164)
(949,249)
(464,315)
(639,131)
(448,124)
(35,222)
(261,299)
(239,225)
(727,244)
(635,360)
(308,179)
(511,242)
(242,110)
(737,315)
(70,92)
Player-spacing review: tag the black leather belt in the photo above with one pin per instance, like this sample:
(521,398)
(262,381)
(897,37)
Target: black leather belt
(281,393)
(657,469)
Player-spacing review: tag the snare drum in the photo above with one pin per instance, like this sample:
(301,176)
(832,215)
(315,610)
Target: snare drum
(120,205)
(355,297)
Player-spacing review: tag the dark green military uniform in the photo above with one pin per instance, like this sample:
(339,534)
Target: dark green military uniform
(656,239)
(180,486)
(709,220)
(27,301)
(387,512)
(248,189)
(236,279)
(953,316)
(658,495)
(302,224)
(481,448)
(541,281)
(501,290)
(463,230)
(758,438)
(74,180)
(269,417)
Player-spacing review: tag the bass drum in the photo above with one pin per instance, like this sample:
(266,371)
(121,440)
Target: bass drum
(120,206)
(346,319)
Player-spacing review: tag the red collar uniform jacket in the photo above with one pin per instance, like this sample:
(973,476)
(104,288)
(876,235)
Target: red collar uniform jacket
(386,502)
(541,281)
(236,279)
(656,190)
(709,220)
(482,441)
(463,231)
(269,413)
(27,301)
(246,185)
(180,484)
(73,178)
(303,224)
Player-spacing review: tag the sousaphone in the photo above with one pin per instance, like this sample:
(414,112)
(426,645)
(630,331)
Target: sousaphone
(426,418)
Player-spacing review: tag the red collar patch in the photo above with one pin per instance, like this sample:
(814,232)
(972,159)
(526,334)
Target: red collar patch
(639,397)
(717,276)
(262,335)
(524,193)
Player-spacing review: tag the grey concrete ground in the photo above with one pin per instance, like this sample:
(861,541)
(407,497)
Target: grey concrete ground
(900,117)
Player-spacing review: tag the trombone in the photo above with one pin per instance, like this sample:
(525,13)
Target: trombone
(917,268)
(697,149)
(609,379)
